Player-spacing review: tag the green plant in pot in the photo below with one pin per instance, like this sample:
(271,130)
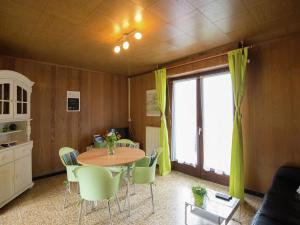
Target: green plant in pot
(199,194)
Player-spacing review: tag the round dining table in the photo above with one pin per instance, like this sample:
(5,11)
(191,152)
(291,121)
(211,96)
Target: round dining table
(123,156)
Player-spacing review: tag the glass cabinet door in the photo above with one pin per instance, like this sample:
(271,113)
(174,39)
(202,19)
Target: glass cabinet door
(21,110)
(6,97)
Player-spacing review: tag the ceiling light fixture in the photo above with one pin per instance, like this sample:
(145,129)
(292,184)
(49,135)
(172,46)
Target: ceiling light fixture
(125,45)
(138,35)
(124,40)
(117,49)
(138,17)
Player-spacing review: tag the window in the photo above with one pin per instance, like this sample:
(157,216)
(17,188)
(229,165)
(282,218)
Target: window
(184,125)
(202,123)
(217,120)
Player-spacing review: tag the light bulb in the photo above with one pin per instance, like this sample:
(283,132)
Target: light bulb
(125,45)
(138,17)
(138,35)
(117,49)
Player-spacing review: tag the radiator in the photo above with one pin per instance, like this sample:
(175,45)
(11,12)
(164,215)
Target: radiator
(152,139)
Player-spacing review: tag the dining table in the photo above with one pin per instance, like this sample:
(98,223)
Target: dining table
(123,156)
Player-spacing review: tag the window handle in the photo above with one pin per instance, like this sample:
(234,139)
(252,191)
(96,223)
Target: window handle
(199,131)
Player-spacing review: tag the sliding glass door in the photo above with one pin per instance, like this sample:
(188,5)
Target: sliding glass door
(202,121)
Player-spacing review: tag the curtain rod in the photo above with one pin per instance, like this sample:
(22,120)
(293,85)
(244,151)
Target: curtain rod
(191,62)
(203,59)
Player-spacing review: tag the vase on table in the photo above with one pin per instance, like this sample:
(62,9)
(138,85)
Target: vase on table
(199,195)
(111,149)
(198,200)
(110,140)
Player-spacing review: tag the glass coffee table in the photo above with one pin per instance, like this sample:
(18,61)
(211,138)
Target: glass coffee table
(215,210)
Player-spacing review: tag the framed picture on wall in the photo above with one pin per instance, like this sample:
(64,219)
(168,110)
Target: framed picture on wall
(73,101)
(152,108)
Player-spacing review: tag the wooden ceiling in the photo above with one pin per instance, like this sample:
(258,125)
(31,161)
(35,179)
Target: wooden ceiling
(83,33)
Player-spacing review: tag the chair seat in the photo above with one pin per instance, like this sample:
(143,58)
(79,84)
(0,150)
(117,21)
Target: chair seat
(116,169)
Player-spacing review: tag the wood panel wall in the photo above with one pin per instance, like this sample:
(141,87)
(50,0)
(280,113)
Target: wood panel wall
(103,105)
(270,110)
(138,87)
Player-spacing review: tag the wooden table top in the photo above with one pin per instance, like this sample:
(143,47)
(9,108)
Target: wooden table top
(100,157)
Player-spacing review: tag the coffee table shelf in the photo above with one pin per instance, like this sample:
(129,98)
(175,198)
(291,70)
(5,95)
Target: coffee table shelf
(215,210)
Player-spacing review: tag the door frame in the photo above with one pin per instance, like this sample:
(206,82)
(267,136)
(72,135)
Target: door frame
(197,170)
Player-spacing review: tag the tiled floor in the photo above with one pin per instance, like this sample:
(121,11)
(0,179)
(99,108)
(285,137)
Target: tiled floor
(43,204)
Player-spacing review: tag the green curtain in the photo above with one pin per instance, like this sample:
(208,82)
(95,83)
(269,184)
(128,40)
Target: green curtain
(237,66)
(161,83)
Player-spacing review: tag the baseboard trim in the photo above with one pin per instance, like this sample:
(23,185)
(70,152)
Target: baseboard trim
(48,175)
(255,193)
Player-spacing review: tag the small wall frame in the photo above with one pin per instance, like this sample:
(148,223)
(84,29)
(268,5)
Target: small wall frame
(73,101)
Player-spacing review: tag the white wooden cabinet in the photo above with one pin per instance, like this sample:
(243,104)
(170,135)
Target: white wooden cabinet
(16,160)
(7,183)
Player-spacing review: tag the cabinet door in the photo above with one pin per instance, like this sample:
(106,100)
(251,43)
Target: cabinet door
(7,181)
(6,99)
(23,173)
(22,101)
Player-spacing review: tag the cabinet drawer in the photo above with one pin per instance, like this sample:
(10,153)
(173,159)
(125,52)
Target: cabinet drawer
(6,157)
(22,151)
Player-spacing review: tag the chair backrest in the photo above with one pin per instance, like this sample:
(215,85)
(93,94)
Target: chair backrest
(159,151)
(127,143)
(70,175)
(99,144)
(143,173)
(99,141)
(97,183)
(63,151)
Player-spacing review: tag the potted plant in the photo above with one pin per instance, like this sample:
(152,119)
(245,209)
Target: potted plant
(199,194)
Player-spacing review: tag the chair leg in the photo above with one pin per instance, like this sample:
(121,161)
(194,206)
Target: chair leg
(80,211)
(78,189)
(86,203)
(134,187)
(66,191)
(118,202)
(109,210)
(125,201)
(152,197)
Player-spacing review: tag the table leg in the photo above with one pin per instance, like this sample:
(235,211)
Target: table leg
(239,217)
(128,186)
(185,213)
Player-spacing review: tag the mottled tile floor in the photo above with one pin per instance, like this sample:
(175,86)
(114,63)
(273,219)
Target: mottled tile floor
(43,204)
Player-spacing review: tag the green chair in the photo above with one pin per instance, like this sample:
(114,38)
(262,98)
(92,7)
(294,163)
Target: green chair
(123,143)
(127,143)
(96,184)
(69,168)
(144,173)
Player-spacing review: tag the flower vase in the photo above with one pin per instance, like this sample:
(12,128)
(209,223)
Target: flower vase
(111,149)
(198,200)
